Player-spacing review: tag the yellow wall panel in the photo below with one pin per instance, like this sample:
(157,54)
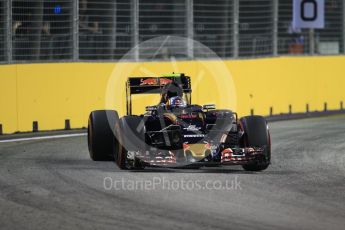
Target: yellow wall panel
(8,98)
(51,93)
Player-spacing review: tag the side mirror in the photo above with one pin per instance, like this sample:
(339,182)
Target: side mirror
(209,107)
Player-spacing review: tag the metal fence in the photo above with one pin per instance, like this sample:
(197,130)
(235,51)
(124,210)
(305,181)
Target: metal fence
(214,25)
(93,30)
(3,19)
(41,30)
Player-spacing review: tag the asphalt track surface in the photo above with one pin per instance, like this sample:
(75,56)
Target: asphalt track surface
(52,184)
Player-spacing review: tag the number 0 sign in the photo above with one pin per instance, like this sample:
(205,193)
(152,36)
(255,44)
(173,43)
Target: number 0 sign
(308,13)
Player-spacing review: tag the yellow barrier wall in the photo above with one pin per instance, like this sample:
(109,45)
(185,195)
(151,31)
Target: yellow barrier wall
(8,99)
(51,93)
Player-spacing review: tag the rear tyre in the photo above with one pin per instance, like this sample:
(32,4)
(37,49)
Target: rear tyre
(100,134)
(256,134)
(130,134)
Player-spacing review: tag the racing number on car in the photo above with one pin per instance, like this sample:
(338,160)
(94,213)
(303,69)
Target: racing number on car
(313,5)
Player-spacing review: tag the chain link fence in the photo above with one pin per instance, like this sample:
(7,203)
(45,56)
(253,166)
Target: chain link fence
(255,28)
(214,25)
(41,30)
(3,19)
(330,39)
(94,30)
(159,18)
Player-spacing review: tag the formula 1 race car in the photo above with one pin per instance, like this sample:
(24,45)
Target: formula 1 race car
(176,133)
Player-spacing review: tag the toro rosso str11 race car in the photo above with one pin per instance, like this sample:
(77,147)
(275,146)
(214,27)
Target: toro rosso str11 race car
(176,133)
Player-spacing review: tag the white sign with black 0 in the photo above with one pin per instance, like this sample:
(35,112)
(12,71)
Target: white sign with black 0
(309,14)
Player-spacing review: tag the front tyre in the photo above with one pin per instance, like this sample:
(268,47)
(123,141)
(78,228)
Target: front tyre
(100,134)
(256,134)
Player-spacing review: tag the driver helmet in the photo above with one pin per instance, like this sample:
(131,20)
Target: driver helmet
(171,90)
(176,102)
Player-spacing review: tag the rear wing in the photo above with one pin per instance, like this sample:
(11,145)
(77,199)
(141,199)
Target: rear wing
(153,85)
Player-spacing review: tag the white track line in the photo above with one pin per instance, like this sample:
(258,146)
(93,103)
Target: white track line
(43,137)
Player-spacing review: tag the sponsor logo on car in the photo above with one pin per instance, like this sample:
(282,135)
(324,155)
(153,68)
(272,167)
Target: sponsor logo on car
(192,128)
(164,81)
(194,135)
(188,116)
(149,81)
(154,81)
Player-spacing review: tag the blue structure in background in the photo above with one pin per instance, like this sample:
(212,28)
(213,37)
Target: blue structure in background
(57,9)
